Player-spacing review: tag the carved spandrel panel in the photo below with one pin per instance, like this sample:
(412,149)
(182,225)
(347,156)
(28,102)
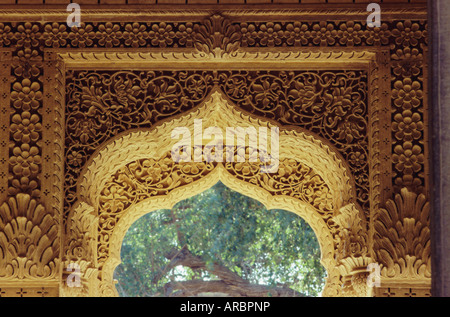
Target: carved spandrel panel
(332,104)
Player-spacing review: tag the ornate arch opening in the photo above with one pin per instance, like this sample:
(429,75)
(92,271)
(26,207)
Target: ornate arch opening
(134,173)
(218,174)
(197,228)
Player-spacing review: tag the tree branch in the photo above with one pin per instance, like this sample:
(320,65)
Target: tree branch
(196,287)
(185,258)
(230,283)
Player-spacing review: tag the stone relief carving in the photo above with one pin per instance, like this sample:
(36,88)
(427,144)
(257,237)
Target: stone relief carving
(309,100)
(402,238)
(157,176)
(335,104)
(29,241)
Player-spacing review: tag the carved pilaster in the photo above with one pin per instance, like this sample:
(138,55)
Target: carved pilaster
(352,251)
(81,253)
(27,213)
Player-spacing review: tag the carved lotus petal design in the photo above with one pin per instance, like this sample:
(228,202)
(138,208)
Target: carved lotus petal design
(402,239)
(217,35)
(28,238)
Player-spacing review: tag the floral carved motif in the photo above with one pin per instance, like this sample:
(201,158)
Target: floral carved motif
(408,105)
(331,104)
(216,35)
(143,179)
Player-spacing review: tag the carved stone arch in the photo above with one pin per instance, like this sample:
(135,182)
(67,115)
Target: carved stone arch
(218,110)
(328,202)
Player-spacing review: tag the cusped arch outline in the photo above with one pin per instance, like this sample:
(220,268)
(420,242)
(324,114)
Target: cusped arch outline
(216,111)
(133,213)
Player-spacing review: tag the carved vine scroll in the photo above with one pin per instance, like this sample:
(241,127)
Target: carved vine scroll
(332,104)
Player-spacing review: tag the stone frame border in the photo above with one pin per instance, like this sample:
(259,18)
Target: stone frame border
(53,78)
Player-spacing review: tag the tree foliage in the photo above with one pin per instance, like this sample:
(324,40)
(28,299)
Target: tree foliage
(217,239)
